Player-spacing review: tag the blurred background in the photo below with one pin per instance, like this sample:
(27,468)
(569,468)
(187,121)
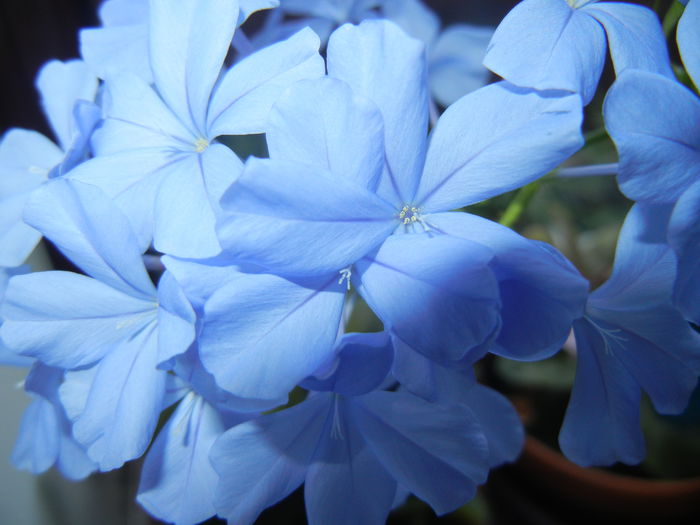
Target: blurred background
(580,217)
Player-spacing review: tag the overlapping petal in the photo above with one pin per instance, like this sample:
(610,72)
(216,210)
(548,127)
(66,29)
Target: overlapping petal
(689,40)
(380,62)
(242,100)
(547,44)
(684,238)
(659,147)
(541,292)
(299,219)
(436,293)
(322,122)
(601,425)
(186,58)
(262,334)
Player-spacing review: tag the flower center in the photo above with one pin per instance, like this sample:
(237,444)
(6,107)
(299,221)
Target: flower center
(200,145)
(409,214)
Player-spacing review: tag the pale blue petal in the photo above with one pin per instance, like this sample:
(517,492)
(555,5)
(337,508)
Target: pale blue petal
(455,62)
(346,484)
(199,279)
(73,462)
(437,293)
(133,180)
(658,348)
(117,49)
(541,292)
(262,461)
(242,101)
(644,269)
(26,157)
(364,360)
(496,139)
(92,232)
(382,63)
(177,481)
(38,441)
(635,37)
(546,44)
(138,118)
(684,238)
(190,368)
(61,84)
(188,43)
(124,402)
(658,143)
(322,122)
(122,12)
(601,425)
(438,453)
(299,219)
(259,320)
(414,17)
(688,37)
(184,219)
(69,320)
(499,421)
(86,116)
(430,380)
(176,319)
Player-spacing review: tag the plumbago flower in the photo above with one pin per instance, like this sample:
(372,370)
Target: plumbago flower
(121,44)
(630,339)
(354,447)
(156,154)
(659,148)
(454,55)
(108,330)
(333,205)
(45,435)
(561,44)
(28,159)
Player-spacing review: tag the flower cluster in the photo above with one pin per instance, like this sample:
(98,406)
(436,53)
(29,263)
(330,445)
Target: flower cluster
(257,264)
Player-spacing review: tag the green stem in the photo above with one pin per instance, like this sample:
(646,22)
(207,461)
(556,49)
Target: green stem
(595,136)
(519,203)
(672,16)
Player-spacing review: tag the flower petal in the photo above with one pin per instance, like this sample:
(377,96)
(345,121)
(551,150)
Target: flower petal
(689,40)
(547,44)
(601,425)
(262,334)
(684,238)
(496,139)
(382,63)
(658,144)
(69,320)
(635,37)
(322,122)
(436,293)
(262,461)
(438,453)
(299,219)
(188,43)
(241,102)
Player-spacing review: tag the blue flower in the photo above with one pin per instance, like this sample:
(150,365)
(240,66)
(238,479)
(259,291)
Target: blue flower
(353,187)
(28,159)
(560,44)
(110,331)
(156,153)
(354,450)
(659,147)
(454,55)
(45,438)
(630,339)
(121,44)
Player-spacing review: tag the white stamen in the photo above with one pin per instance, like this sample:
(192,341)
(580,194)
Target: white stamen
(200,145)
(345,273)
